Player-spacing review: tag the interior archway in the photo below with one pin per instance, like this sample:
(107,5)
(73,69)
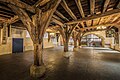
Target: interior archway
(92,40)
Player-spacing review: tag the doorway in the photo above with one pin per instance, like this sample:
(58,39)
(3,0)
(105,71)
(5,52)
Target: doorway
(17,45)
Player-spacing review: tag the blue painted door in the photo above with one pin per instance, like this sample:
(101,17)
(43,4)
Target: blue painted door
(17,45)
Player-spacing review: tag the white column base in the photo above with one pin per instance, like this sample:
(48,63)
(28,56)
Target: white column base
(37,71)
(80,46)
(75,49)
(67,54)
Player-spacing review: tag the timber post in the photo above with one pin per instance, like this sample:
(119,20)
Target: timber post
(66,32)
(81,34)
(57,37)
(49,37)
(36,25)
(76,36)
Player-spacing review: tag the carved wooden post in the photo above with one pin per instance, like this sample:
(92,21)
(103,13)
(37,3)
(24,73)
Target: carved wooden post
(66,39)
(80,37)
(75,36)
(66,33)
(57,37)
(48,36)
(79,41)
(36,27)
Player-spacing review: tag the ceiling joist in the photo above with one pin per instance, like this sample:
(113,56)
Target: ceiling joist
(95,16)
(79,5)
(92,7)
(40,3)
(20,4)
(61,15)
(68,10)
(105,5)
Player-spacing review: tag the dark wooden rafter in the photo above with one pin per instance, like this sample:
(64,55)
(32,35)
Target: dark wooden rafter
(92,7)
(88,23)
(56,17)
(61,15)
(40,3)
(68,10)
(101,20)
(4,8)
(6,16)
(2,19)
(118,20)
(78,27)
(82,24)
(108,13)
(108,19)
(6,13)
(106,3)
(115,18)
(19,4)
(79,5)
(13,20)
(57,21)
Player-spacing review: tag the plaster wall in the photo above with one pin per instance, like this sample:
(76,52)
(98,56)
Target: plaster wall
(28,44)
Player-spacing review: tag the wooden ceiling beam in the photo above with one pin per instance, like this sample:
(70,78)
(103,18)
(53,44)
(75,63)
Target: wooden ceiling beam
(6,13)
(13,20)
(79,5)
(68,10)
(92,7)
(82,24)
(108,19)
(5,8)
(95,26)
(19,4)
(56,17)
(115,18)
(78,27)
(57,21)
(95,16)
(103,19)
(2,19)
(106,3)
(88,23)
(7,16)
(40,3)
(61,15)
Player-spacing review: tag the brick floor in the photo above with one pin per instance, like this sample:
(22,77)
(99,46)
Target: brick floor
(85,64)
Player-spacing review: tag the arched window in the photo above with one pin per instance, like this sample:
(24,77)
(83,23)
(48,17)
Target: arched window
(91,40)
